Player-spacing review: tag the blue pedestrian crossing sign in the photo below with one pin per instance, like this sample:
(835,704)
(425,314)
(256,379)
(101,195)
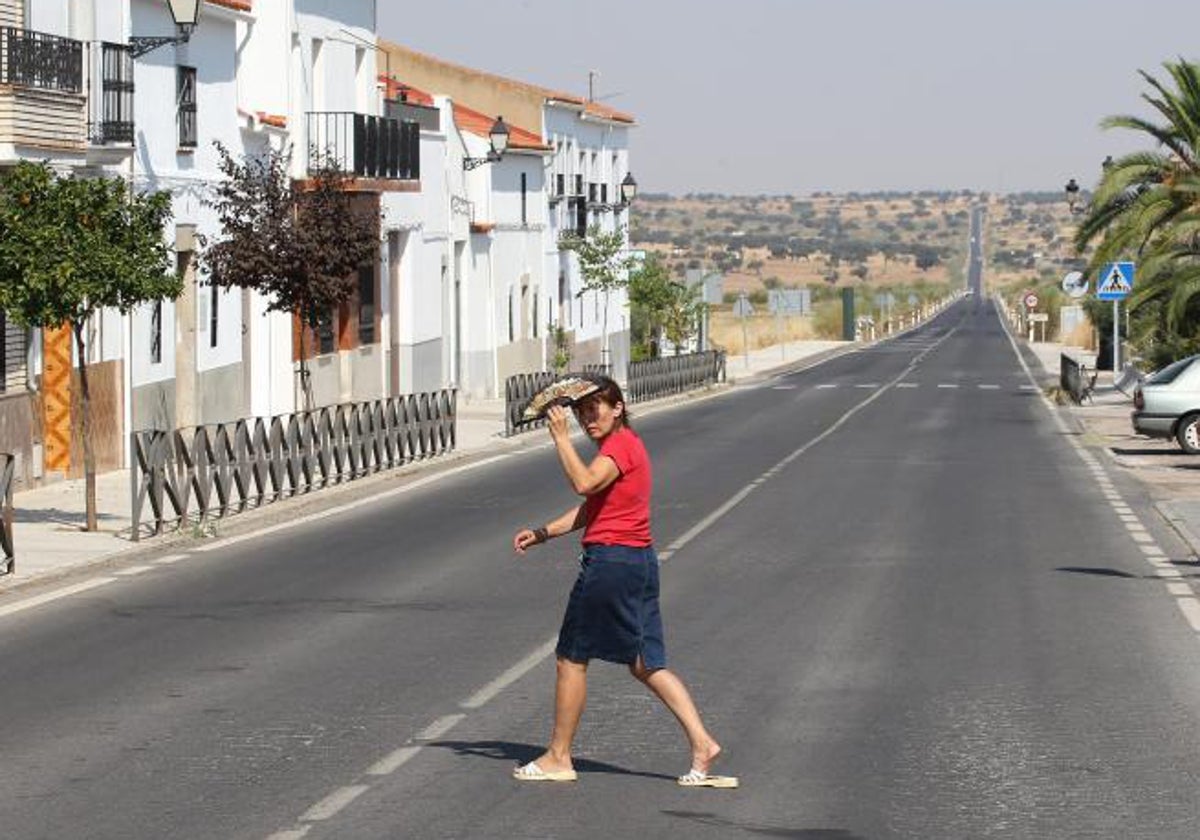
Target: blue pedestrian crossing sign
(1115,281)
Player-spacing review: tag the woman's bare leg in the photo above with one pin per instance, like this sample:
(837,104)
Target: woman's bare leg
(674,695)
(570,696)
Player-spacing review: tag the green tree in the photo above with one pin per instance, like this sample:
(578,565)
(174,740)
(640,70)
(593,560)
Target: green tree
(650,294)
(604,265)
(1147,205)
(299,245)
(681,317)
(70,247)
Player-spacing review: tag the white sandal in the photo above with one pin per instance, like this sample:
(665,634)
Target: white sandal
(698,778)
(532,773)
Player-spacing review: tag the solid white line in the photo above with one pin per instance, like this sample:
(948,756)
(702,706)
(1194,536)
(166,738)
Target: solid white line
(334,802)
(393,761)
(510,676)
(133,570)
(1190,608)
(46,598)
(334,511)
(170,558)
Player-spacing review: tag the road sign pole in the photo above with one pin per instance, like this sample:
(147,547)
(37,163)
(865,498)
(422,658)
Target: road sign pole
(1116,356)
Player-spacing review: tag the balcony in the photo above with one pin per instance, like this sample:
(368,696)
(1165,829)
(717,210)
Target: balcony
(42,101)
(365,146)
(110,100)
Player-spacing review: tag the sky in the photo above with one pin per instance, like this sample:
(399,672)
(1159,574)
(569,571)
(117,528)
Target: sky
(798,96)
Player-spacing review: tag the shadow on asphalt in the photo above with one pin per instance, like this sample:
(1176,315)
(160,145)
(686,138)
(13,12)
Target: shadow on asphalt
(1122,450)
(524,753)
(711,819)
(1117,573)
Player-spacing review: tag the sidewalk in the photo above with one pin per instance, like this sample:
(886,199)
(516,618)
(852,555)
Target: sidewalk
(1171,478)
(48,521)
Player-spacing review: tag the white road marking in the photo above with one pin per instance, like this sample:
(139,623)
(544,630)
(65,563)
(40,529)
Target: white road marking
(1152,551)
(336,801)
(827,385)
(868,385)
(510,676)
(133,570)
(1168,573)
(1029,388)
(1142,537)
(783,388)
(393,761)
(947,385)
(46,598)
(989,387)
(1128,517)
(439,727)
(291,833)
(1190,608)
(907,384)
(170,558)
(1183,589)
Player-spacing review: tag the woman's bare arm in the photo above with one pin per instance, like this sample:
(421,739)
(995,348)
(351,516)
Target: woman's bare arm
(571,520)
(586,479)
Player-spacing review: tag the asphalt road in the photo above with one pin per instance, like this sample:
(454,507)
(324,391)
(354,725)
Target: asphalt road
(920,619)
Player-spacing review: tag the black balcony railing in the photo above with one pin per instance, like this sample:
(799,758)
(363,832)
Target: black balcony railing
(365,146)
(39,60)
(111,109)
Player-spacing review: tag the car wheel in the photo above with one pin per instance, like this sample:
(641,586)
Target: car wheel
(1188,434)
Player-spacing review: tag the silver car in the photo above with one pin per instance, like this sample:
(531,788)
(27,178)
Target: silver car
(1167,404)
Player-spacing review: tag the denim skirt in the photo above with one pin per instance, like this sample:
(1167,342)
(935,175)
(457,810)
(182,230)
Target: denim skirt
(613,612)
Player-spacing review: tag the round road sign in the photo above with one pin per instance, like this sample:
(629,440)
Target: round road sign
(1031,301)
(1075,284)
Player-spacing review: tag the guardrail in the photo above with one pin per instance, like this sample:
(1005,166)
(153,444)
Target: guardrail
(520,388)
(190,475)
(1075,380)
(8,556)
(674,374)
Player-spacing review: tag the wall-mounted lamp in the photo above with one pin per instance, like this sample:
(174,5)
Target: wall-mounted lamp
(628,189)
(185,13)
(498,137)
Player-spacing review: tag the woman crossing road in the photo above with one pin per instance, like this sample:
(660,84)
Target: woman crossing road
(613,611)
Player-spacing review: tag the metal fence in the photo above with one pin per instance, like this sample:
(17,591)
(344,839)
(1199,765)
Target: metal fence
(8,555)
(520,388)
(365,145)
(191,475)
(40,60)
(674,374)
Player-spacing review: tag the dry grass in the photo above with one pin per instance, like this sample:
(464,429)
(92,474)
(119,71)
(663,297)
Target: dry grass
(725,330)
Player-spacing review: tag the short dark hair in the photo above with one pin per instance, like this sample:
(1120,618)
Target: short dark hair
(610,392)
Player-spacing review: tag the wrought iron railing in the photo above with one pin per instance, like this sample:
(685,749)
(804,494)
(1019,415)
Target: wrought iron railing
(192,475)
(520,388)
(110,110)
(40,60)
(8,555)
(674,375)
(365,146)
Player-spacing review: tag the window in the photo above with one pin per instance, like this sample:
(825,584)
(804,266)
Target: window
(156,333)
(524,188)
(560,185)
(213,311)
(366,304)
(604,193)
(14,345)
(185,101)
(325,333)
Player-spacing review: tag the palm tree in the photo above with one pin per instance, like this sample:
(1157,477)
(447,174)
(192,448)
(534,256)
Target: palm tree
(1147,204)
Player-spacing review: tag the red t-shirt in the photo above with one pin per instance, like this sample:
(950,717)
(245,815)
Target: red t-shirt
(620,513)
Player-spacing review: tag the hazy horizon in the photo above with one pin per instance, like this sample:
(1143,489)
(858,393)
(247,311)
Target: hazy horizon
(791,98)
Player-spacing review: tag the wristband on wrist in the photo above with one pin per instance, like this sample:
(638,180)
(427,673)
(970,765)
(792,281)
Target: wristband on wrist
(541,535)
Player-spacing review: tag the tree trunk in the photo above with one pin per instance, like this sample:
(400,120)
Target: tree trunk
(89,458)
(604,357)
(305,384)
